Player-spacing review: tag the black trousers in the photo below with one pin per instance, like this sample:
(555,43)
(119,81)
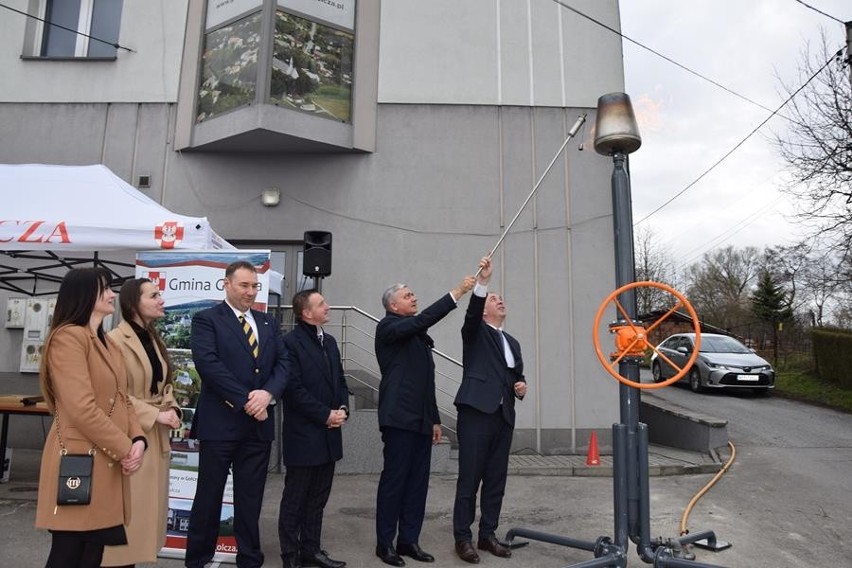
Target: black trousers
(306,492)
(484,444)
(250,462)
(403,486)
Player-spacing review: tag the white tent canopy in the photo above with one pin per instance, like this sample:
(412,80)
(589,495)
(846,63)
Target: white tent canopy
(89,208)
(50,215)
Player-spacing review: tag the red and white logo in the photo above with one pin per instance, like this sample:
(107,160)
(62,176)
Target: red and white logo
(158,279)
(169,234)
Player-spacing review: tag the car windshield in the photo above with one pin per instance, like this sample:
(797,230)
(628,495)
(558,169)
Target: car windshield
(722,345)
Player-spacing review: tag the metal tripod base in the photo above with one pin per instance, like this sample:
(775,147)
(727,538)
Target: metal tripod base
(715,545)
(511,544)
(607,554)
(632,516)
(706,540)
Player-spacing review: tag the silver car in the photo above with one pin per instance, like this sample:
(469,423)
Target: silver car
(722,362)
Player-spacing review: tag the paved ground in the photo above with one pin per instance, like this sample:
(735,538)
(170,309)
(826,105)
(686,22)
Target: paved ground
(557,495)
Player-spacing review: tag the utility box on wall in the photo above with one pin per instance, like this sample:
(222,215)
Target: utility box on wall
(15,312)
(38,315)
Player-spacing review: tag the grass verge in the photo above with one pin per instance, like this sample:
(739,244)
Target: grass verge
(804,386)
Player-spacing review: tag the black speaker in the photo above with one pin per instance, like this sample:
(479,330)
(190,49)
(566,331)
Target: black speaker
(317,258)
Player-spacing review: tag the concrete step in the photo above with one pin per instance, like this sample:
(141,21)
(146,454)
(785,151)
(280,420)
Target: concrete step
(670,424)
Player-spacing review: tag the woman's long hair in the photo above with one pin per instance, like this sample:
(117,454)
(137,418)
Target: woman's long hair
(78,294)
(128,298)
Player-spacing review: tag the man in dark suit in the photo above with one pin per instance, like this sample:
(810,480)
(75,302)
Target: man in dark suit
(314,410)
(408,418)
(240,359)
(492,379)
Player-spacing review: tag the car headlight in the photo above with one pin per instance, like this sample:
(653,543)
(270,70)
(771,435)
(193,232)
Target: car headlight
(718,366)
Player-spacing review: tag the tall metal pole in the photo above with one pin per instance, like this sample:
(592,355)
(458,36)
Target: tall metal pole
(629,367)
(617,135)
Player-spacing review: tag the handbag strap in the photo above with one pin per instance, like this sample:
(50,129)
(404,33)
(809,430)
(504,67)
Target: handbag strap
(62,450)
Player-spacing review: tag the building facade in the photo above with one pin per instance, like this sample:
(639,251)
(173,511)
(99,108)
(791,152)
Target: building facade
(412,130)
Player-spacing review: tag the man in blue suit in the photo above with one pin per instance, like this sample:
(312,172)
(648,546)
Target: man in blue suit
(314,410)
(493,377)
(239,356)
(408,418)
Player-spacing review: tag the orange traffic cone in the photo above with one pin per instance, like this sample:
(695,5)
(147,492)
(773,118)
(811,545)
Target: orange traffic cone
(593,458)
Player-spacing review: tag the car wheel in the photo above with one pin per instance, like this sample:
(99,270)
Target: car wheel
(657,372)
(695,380)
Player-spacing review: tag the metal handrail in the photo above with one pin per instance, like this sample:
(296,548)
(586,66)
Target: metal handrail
(352,366)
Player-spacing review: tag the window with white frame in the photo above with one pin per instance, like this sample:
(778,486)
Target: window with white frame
(80,28)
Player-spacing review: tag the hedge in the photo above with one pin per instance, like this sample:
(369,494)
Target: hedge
(833,355)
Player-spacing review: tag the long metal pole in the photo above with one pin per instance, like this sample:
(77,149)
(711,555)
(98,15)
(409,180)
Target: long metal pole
(571,133)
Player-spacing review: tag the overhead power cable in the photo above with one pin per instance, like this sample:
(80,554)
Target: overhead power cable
(741,142)
(806,5)
(658,54)
(717,84)
(113,44)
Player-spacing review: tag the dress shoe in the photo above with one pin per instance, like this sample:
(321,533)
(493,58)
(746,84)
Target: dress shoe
(465,550)
(389,556)
(491,544)
(413,550)
(321,559)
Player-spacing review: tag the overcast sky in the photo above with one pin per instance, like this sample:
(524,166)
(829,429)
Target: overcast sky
(687,124)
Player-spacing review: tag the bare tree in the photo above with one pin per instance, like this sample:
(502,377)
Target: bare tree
(817,283)
(719,286)
(841,311)
(817,146)
(822,286)
(787,265)
(652,264)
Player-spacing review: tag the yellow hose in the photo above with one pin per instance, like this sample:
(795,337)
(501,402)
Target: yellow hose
(706,488)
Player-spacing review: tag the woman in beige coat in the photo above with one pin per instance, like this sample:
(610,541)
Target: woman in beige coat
(149,373)
(84,383)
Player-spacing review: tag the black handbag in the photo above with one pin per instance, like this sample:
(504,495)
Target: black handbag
(75,470)
(75,479)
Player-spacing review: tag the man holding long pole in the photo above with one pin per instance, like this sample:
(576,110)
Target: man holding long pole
(492,379)
(408,418)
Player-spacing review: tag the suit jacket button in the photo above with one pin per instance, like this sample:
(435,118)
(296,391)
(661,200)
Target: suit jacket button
(256,371)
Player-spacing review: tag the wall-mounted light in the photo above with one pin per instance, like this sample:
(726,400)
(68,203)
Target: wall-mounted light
(271,196)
